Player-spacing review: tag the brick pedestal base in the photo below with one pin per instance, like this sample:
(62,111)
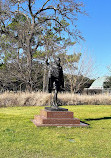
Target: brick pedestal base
(56,118)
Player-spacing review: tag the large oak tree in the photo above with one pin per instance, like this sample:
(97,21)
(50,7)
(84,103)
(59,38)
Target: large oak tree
(25,24)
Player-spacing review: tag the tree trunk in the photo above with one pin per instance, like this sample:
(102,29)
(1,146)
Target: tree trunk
(71,86)
(45,79)
(29,69)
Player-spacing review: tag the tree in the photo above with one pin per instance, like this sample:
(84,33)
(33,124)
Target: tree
(26,26)
(79,70)
(107,84)
(70,66)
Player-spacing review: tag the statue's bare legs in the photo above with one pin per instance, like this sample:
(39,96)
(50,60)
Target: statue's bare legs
(55,105)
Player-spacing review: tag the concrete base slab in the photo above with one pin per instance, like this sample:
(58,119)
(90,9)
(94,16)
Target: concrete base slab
(59,125)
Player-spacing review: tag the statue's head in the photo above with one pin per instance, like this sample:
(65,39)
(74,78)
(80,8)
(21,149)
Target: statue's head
(57,61)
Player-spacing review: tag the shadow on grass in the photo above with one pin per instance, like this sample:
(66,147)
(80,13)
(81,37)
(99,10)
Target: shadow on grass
(85,123)
(95,119)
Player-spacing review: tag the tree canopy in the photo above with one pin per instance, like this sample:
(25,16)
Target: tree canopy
(33,30)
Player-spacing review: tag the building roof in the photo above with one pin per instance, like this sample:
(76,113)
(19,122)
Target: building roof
(98,83)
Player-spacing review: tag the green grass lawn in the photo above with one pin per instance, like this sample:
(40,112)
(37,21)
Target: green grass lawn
(20,138)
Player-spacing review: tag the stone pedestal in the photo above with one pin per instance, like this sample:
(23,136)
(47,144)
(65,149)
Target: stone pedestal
(57,118)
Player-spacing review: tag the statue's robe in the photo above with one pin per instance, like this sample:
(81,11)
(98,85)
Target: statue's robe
(56,79)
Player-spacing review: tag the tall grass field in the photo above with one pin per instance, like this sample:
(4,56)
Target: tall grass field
(20,138)
(9,99)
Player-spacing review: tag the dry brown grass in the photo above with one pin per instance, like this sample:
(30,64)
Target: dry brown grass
(76,99)
(8,99)
(24,99)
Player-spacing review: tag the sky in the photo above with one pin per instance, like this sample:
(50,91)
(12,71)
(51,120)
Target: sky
(96,29)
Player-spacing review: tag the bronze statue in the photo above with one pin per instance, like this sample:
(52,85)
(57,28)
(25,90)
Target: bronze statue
(55,80)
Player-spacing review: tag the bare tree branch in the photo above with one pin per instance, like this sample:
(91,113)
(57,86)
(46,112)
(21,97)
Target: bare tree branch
(43,9)
(30,8)
(45,3)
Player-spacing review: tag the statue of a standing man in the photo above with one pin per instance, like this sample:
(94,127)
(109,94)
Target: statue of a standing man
(55,79)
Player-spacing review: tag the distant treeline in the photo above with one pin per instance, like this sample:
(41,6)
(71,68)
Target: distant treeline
(11,83)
